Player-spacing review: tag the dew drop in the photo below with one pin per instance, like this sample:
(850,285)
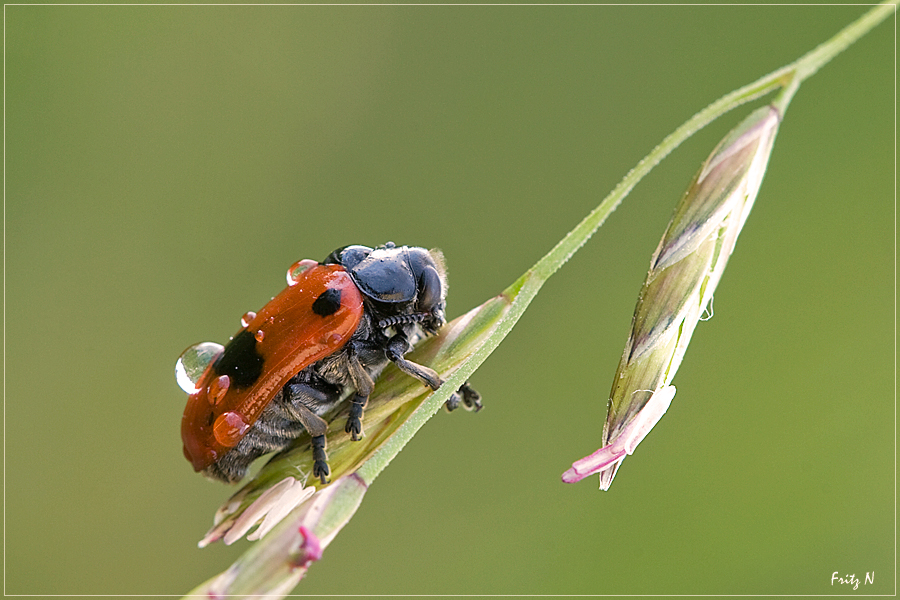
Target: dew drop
(229,428)
(218,388)
(293,273)
(248,316)
(260,335)
(192,363)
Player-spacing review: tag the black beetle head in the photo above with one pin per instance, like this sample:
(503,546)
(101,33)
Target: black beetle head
(431,285)
(403,284)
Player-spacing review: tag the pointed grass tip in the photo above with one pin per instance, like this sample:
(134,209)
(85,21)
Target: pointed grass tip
(608,458)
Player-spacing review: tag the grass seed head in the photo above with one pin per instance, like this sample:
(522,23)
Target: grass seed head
(683,275)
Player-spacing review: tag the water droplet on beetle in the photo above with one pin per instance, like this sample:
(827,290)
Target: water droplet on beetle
(192,363)
(248,316)
(229,428)
(218,388)
(296,269)
(260,335)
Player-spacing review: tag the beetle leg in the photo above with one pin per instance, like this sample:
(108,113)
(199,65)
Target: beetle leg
(313,423)
(452,402)
(397,346)
(363,383)
(316,426)
(471,400)
(314,397)
(354,419)
(303,396)
(320,459)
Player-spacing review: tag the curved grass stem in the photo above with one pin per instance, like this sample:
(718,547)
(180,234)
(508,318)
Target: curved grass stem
(299,539)
(524,289)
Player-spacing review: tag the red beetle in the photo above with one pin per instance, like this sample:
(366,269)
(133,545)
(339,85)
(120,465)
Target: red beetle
(317,344)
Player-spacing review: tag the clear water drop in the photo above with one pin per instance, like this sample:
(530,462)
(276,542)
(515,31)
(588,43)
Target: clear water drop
(248,316)
(296,269)
(218,388)
(260,335)
(229,428)
(192,363)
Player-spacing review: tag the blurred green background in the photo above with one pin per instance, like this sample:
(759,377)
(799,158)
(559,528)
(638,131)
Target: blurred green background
(166,164)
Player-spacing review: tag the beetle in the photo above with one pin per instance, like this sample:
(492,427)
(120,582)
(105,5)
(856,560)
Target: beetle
(314,347)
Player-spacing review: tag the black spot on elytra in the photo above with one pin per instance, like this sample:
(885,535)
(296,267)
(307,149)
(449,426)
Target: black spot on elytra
(240,360)
(328,302)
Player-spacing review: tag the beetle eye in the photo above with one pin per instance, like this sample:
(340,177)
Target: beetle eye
(429,290)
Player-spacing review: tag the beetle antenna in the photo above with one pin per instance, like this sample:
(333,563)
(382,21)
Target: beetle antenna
(397,319)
